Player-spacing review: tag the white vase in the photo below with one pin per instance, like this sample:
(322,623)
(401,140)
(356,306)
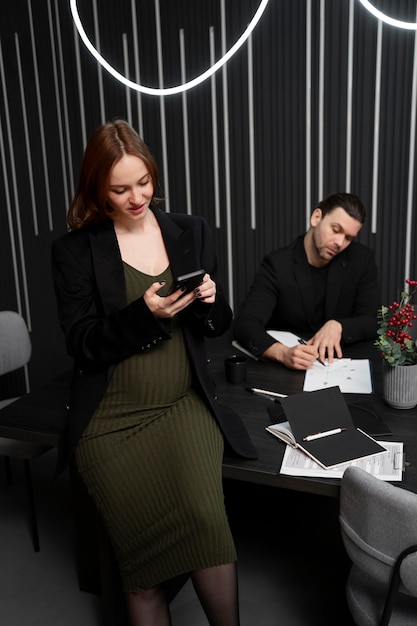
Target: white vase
(400,385)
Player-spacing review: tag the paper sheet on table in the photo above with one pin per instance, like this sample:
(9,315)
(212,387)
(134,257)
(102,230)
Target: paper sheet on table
(350,375)
(284,337)
(386,466)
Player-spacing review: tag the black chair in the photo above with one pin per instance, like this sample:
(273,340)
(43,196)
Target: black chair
(15,353)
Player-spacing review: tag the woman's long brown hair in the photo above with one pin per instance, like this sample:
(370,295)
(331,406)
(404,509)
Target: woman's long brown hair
(105,148)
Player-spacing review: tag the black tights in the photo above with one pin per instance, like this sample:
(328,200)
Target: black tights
(216,588)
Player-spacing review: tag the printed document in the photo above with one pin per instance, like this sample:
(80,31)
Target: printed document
(386,466)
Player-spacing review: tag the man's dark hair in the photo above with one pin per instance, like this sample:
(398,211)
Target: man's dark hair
(347,201)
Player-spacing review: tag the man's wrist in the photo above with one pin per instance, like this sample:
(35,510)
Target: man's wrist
(340,327)
(274,352)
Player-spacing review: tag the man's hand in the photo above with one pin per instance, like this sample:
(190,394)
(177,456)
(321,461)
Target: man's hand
(327,341)
(300,357)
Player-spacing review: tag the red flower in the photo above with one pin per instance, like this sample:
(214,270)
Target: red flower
(396,345)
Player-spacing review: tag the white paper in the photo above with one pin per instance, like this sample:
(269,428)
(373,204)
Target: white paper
(386,466)
(282,431)
(350,375)
(284,337)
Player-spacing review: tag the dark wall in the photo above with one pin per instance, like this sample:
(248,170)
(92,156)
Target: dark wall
(321,99)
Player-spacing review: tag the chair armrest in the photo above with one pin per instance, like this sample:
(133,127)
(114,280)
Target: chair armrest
(395,583)
(408,572)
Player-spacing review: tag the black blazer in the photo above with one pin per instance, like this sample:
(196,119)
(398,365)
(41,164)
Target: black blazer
(281,296)
(101,330)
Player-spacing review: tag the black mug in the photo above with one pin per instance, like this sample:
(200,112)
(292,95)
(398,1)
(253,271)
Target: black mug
(236,368)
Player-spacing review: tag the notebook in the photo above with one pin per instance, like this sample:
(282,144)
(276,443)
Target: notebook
(322,426)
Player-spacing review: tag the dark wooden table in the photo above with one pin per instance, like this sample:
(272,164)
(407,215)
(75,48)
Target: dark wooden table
(40,416)
(254,413)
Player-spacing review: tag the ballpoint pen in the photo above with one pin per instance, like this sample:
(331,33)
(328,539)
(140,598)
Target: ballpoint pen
(304,343)
(271,395)
(325,433)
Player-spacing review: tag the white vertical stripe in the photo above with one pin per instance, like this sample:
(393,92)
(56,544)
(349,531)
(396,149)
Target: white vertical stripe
(185,125)
(40,118)
(162,106)
(16,205)
(80,85)
(227,159)
(321,99)
(99,66)
(308,114)
(214,131)
(411,182)
(377,112)
(59,116)
(349,98)
(127,73)
(27,140)
(137,65)
(65,99)
(251,124)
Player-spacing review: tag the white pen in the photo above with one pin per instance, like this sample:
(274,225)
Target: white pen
(264,392)
(325,433)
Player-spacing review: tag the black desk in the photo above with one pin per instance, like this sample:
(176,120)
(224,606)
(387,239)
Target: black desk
(253,411)
(40,415)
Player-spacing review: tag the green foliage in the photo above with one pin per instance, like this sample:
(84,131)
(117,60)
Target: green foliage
(397,347)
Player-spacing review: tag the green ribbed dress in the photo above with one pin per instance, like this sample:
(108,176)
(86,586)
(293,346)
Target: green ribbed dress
(151,458)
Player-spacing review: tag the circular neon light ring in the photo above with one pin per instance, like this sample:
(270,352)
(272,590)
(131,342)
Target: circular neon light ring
(169,90)
(386,18)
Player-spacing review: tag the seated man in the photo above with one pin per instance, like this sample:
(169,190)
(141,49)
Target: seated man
(323,287)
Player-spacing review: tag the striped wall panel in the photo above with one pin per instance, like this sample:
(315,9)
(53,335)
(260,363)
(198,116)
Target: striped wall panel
(321,98)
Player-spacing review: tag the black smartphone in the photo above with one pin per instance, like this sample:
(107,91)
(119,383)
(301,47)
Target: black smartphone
(187,281)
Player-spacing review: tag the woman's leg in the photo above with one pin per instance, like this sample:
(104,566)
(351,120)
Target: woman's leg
(148,607)
(217,591)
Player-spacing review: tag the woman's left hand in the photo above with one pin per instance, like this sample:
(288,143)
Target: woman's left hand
(174,303)
(206,290)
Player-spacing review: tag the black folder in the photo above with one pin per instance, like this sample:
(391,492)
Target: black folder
(317,412)
(365,416)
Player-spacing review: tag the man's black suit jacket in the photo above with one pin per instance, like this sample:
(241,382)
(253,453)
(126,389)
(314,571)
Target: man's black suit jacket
(101,330)
(282,297)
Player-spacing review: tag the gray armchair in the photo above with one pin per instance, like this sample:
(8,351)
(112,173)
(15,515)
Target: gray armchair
(379,531)
(15,353)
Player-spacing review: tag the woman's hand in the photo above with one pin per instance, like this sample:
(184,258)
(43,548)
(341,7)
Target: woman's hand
(206,291)
(167,307)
